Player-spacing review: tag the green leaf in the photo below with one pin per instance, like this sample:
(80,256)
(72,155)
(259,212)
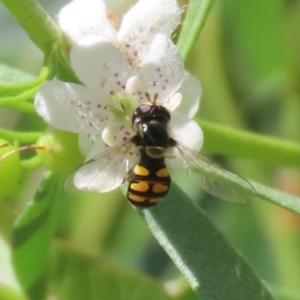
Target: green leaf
(32,234)
(238,143)
(14,82)
(8,293)
(78,276)
(9,75)
(196,16)
(22,137)
(16,87)
(15,100)
(257,27)
(212,266)
(9,287)
(279,198)
(46,35)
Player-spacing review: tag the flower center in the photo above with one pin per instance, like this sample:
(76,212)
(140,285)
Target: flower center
(124,106)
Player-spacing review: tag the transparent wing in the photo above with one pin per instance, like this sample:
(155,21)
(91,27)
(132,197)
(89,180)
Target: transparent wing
(214,179)
(106,171)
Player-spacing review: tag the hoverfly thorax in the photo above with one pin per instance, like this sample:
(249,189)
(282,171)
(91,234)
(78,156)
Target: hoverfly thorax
(151,122)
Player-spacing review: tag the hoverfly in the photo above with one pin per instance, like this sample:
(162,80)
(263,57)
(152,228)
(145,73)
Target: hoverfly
(141,161)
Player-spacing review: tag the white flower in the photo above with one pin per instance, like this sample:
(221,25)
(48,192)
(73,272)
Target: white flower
(116,82)
(139,26)
(112,90)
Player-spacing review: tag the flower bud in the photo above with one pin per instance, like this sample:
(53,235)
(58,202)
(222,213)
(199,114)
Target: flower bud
(10,169)
(61,153)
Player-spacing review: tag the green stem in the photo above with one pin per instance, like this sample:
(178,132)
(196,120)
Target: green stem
(15,89)
(196,16)
(23,107)
(20,98)
(29,13)
(21,137)
(226,140)
(31,164)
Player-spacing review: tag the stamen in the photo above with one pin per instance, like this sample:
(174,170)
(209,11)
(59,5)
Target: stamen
(4,145)
(112,19)
(68,48)
(31,147)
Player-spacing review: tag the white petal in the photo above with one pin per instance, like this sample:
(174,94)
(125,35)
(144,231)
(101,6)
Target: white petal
(82,18)
(174,159)
(163,70)
(86,142)
(107,170)
(134,84)
(191,91)
(97,148)
(72,107)
(117,133)
(100,65)
(142,22)
(186,131)
(137,86)
(173,102)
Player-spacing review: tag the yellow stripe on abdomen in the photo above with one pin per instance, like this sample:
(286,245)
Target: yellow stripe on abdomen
(140,186)
(159,188)
(140,170)
(162,173)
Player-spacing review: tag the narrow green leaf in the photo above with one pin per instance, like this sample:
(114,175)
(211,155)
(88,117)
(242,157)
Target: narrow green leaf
(31,238)
(189,295)
(9,75)
(279,198)
(7,293)
(196,16)
(14,82)
(212,266)
(9,287)
(257,27)
(22,137)
(22,106)
(31,164)
(238,143)
(19,98)
(78,276)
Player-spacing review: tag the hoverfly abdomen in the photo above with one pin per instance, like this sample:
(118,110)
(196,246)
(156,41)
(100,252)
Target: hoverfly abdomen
(149,182)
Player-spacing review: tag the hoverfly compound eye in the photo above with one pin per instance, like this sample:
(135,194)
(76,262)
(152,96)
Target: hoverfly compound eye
(140,112)
(148,111)
(155,152)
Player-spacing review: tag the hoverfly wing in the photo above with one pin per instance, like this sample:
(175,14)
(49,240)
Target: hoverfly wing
(105,172)
(214,179)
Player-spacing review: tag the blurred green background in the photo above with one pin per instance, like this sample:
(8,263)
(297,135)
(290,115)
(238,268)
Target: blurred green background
(248,61)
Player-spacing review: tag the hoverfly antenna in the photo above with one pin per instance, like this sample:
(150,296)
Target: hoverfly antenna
(148,96)
(123,107)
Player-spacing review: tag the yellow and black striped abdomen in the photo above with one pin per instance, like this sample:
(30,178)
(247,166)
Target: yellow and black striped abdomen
(149,182)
